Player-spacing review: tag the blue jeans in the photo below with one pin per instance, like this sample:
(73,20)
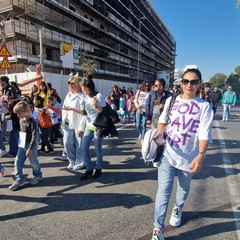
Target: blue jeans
(13,142)
(73,146)
(126,114)
(87,138)
(226,111)
(166,174)
(141,123)
(20,160)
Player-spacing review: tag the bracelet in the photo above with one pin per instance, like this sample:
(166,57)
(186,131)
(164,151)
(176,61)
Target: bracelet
(203,154)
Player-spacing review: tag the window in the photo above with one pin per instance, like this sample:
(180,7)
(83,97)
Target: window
(49,53)
(34,50)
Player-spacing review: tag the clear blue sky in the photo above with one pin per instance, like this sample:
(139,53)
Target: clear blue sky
(207,33)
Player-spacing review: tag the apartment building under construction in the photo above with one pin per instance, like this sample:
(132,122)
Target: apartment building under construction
(126,39)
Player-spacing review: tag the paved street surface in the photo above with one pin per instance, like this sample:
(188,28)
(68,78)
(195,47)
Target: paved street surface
(120,204)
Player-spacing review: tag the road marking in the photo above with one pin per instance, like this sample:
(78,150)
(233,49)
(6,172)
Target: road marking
(231,180)
(123,126)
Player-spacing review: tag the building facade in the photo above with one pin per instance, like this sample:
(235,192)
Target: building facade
(126,39)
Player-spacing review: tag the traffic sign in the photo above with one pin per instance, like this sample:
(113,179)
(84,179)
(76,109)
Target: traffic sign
(4,52)
(6,64)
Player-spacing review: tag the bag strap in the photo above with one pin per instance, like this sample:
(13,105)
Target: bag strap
(171,106)
(138,95)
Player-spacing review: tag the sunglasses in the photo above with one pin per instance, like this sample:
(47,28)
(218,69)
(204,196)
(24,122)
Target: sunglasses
(71,83)
(192,82)
(146,85)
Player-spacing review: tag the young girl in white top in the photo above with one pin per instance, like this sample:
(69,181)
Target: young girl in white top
(140,103)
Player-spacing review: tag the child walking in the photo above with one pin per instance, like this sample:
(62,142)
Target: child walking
(127,108)
(27,146)
(45,131)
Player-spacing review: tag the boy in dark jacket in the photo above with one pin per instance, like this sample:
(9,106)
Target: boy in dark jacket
(27,146)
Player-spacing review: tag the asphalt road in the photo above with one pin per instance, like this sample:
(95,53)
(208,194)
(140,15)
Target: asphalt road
(120,204)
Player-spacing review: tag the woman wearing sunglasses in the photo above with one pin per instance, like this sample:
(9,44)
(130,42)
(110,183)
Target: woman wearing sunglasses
(188,130)
(73,124)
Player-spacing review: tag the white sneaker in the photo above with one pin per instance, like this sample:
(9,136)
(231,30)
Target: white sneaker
(70,166)
(140,136)
(78,167)
(176,217)
(63,157)
(16,184)
(158,234)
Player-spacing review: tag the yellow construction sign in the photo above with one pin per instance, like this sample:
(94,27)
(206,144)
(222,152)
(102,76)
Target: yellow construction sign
(65,48)
(4,52)
(6,64)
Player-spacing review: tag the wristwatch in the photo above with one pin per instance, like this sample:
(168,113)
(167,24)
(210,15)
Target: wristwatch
(203,154)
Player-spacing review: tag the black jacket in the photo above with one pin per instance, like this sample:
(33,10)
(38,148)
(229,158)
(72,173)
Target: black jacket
(104,124)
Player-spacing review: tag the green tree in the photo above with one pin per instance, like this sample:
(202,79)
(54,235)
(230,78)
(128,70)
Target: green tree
(218,80)
(87,66)
(233,80)
(237,69)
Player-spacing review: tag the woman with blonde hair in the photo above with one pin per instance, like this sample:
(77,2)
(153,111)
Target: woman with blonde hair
(73,124)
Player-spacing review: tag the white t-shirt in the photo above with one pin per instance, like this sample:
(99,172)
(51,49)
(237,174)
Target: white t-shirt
(141,98)
(190,121)
(91,110)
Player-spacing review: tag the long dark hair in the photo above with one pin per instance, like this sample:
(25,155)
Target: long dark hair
(142,88)
(88,83)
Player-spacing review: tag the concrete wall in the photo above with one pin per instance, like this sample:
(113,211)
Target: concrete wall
(59,82)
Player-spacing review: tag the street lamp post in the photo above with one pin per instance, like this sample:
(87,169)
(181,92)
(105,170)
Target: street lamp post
(138,53)
(41,51)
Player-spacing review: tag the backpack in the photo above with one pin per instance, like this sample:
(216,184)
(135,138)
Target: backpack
(152,148)
(45,120)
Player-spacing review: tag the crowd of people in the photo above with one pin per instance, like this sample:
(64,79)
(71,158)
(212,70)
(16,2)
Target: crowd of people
(183,116)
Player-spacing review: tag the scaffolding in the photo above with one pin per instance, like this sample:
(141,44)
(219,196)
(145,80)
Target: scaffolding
(104,31)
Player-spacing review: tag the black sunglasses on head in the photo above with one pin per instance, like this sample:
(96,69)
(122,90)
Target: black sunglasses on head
(192,82)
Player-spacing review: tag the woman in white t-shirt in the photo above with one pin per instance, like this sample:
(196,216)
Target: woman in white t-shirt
(188,130)
(94,103)
(140,103)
